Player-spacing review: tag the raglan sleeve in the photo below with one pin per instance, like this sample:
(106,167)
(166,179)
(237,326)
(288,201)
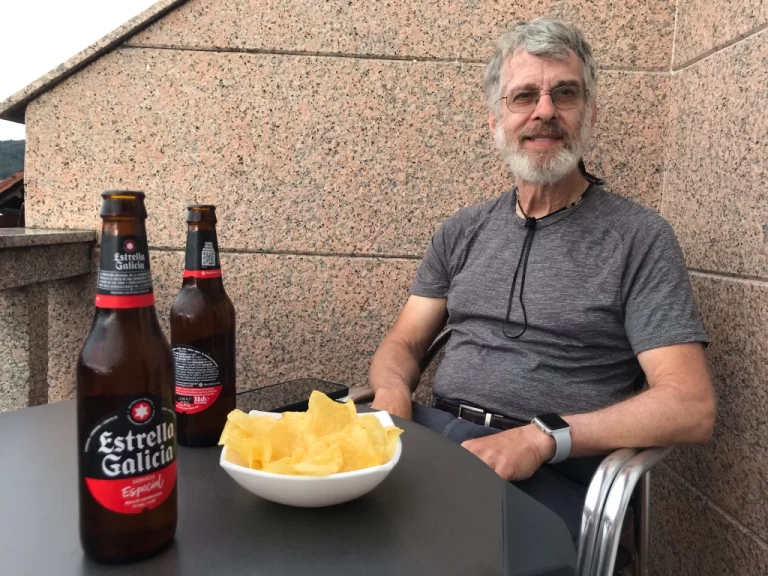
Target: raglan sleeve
(434,274)
(659,305)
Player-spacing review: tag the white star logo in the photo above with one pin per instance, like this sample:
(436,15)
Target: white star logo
(141,412)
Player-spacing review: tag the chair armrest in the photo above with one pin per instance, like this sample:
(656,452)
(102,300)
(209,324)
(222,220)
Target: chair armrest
(616,505)
(597,493)
(437,345)
(360,394)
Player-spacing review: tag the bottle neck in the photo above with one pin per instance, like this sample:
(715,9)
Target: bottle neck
(125,279)
(124,226)
(201,260)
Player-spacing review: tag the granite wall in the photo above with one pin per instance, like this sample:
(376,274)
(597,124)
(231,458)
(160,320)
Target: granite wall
(335,136)
(712,502)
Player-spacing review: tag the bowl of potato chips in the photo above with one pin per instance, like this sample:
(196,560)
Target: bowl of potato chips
(327,455)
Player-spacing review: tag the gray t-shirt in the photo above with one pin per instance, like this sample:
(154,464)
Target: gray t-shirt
(605,280)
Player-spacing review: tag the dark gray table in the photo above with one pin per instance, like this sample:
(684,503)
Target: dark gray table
(439,512)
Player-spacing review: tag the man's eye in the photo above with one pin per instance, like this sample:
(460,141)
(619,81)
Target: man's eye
(523,96)
(567,91)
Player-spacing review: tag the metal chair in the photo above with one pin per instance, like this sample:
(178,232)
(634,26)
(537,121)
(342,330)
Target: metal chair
(594,504)
(363,394)
(636,469)
(607,500)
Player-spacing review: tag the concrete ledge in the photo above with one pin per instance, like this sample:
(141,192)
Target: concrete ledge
(20,237)
(29,256)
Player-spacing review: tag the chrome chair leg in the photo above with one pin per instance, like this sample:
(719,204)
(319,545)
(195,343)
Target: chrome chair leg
(643,525)
(616,507)
(597,493)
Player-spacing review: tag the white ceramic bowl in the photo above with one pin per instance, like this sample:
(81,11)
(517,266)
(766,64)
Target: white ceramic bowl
(309,491)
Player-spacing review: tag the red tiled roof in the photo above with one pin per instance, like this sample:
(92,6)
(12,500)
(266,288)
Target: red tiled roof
(11,181)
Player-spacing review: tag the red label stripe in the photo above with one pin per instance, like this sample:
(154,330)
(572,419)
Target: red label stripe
(216,273)
(196,398)
(138,301)
(134,495)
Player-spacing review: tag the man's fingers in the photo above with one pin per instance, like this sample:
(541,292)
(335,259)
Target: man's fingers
(495,460)
(480,450)
(474,446)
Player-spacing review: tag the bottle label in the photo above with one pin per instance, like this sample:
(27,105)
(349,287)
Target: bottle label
(198,379)
(130,456)
(125,280)
(202,256)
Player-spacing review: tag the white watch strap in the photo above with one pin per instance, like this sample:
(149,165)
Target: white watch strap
(562,444)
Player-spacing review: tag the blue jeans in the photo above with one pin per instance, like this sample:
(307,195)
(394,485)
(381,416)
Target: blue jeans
(560,487)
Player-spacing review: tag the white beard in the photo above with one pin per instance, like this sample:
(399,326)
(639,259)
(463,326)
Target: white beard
(554,167)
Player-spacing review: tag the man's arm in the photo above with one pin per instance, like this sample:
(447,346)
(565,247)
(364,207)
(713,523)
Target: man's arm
(394,372)
(677,408)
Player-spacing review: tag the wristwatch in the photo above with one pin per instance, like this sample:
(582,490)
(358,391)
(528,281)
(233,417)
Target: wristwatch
(558,428)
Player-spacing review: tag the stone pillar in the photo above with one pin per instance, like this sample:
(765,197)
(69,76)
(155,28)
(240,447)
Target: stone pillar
(33,266)
(24,337)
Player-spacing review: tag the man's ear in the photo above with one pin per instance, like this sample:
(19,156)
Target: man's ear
(492,122)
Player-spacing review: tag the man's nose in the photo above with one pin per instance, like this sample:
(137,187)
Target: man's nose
(545,109)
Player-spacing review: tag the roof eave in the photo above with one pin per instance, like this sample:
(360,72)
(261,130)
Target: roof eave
(14,107)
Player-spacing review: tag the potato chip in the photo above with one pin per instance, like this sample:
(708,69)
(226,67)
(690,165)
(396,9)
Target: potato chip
(316,457)
(286,434)
(280,467)
(257,452)
(390,444)
(255,425)
(357,448)
(229,427)
(327,416)
(309,469)
(376,432)
(326,439)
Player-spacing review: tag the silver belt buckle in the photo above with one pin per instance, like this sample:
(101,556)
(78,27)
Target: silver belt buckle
(488,415)
(463,407)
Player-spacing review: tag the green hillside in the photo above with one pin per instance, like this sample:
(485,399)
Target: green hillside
(11,157)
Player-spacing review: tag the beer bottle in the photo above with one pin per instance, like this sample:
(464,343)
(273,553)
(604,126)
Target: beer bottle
(125,414)
(203,336)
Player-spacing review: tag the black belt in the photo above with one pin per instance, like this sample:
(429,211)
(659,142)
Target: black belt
(477,415)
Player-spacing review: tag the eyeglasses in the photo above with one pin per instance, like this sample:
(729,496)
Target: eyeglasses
(563,97)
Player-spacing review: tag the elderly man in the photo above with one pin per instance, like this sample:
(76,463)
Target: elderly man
(563,298)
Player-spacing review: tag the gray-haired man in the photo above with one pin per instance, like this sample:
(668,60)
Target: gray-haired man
(562,298)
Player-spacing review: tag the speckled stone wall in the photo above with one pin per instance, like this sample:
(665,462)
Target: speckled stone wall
(624,35)
(301,154)
(23,317)
(334,139)
(712,502)
(41,312)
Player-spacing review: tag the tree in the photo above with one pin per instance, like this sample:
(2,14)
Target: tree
(11,157)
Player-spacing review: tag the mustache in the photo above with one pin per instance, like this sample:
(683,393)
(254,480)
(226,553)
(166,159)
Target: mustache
(548,130)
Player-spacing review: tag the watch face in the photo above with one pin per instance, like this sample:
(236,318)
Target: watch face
(552,421)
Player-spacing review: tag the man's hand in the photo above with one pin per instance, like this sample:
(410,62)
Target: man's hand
(514,454)
(396,401)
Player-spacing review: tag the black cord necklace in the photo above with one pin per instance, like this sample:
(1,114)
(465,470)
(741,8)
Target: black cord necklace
(530,225)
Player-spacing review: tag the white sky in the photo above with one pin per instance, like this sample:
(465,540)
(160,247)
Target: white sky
(38,35)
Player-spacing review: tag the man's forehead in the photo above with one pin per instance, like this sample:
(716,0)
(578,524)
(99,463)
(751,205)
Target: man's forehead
(525,68)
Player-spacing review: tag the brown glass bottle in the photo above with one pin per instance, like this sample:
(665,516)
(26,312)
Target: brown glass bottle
(203,336)
(125,409)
